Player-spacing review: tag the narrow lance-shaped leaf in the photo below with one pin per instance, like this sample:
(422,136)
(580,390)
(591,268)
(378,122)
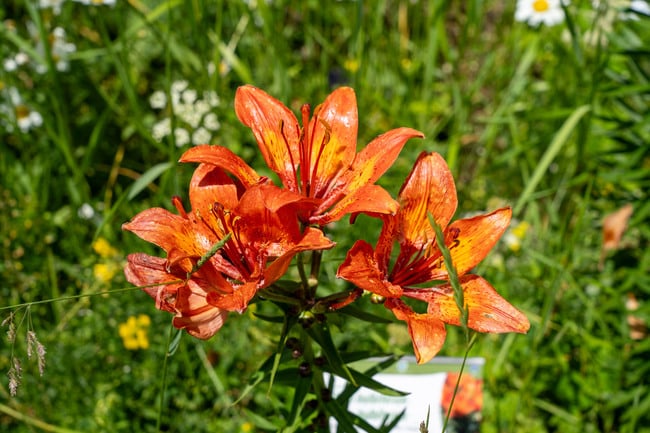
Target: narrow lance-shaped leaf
(453,277)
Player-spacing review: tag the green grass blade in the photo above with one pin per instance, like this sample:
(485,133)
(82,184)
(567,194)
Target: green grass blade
(554,148)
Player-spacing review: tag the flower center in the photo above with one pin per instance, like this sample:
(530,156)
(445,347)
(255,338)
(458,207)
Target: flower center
(541,5)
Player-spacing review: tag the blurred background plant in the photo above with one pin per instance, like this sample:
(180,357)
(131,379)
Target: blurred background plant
(99,99)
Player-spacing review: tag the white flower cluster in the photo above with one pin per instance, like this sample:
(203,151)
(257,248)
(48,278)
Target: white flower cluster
(60,49)
(190,112)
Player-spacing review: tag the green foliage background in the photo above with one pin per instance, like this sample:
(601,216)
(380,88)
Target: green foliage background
(551,120)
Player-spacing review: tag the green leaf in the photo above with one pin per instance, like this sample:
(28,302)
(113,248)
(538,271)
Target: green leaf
(146,178)
(301,391)
(320,333)
(173,345)
(358,313)
(260,421)
(365,380)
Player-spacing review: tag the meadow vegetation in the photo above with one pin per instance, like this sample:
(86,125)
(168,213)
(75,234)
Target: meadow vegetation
(551,120)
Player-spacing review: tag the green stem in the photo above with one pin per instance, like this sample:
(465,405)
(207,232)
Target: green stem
(163,385)
(460,375)
(84,295)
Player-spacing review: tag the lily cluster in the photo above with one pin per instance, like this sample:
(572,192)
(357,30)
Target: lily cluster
(243,231)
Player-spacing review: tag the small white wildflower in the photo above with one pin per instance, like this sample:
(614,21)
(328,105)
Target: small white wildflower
(188,114)
(10,65)
(211,121)
(21,58)
(161,129)
(189,96)
(86,211)
(58,32)
(158,100)
(201,107)
(201,136)
(211,97)
(182,137)
(178,87)
(535,12)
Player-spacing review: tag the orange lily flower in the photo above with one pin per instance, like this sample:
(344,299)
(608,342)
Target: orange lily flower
(430,189)
(319,160)
(201,285)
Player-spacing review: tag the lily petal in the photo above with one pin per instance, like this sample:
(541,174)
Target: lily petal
(224,158)
(169,231)
(145,270)
(202,324)
(209,185)
(470,240)
(429,189)
(369,199)
(275,128)
(235,301)
(195,314)
(427,332)
(333,134)
(488,311)
(186,299)
(369,165)
(362,269)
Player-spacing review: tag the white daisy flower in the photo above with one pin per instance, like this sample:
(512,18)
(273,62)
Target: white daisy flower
(27,119)
(535,12)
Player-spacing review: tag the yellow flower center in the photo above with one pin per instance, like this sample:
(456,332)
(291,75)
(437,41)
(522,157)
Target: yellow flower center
(541,5)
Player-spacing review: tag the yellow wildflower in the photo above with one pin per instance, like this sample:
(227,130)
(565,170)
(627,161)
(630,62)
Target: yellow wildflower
(134,332)
(105,272)
(103,248)
(514,236)
(351,65)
